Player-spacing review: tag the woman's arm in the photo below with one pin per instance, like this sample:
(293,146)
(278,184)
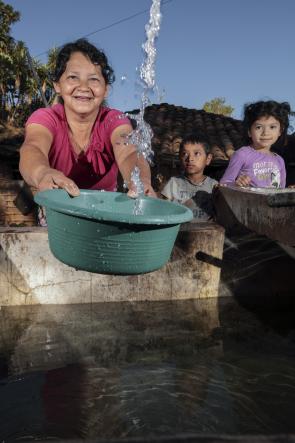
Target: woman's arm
(34,165)
(127,158)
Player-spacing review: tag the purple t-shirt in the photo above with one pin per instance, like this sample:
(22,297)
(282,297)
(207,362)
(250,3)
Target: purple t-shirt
(94,169)
(265,170)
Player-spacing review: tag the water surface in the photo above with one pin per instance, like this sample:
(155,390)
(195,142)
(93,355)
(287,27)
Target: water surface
(115,370)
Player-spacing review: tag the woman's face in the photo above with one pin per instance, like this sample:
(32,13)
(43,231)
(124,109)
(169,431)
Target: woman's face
(82,85)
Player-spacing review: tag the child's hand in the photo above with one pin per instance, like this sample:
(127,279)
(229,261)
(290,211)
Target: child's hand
(189,203)
(243,180)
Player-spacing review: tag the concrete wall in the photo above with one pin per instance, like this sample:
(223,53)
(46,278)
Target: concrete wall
(30,274)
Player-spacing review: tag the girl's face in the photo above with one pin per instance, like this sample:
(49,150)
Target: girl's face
(264,132)
(194,159)
(82,85)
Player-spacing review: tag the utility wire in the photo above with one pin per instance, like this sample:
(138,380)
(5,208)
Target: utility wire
(118,22)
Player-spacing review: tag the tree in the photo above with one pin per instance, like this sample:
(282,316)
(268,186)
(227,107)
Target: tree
(51,61)
(20,90)
(7,17)
(218,106)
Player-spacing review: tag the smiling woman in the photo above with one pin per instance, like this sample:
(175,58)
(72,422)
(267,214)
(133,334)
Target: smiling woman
(79,142)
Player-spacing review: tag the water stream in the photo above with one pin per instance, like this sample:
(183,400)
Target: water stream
(142,135)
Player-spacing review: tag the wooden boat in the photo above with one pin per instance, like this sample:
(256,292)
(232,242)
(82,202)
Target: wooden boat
(269,212)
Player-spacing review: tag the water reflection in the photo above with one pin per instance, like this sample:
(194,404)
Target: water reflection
(116,370)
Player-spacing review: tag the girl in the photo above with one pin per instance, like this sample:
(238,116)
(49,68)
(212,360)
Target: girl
(255,164)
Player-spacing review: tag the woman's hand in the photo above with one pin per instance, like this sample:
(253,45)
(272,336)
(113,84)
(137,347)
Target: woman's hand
(54,179)
(127,159)
(148,191)
(243,180)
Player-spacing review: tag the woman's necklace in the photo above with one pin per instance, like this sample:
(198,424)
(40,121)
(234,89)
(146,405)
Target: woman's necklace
(78,147)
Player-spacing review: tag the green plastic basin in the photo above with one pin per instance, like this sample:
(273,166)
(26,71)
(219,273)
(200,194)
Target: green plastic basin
(99,232)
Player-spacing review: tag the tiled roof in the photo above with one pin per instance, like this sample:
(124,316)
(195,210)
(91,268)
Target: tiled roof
(170,123)
(225,134)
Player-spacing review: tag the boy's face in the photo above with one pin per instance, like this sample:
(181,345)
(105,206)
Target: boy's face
(194,159)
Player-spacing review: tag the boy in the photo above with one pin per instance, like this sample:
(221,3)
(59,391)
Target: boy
(193,188)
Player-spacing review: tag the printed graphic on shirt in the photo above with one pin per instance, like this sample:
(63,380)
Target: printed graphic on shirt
(267,170)
(185,195)
(198,197)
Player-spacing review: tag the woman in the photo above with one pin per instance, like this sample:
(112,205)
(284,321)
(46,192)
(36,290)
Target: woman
(79,143)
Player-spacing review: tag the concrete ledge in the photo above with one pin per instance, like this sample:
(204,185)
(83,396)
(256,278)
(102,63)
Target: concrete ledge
(30,274)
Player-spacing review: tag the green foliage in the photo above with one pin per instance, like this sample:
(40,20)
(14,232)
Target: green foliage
(7,17)
(218,106)
(19,90)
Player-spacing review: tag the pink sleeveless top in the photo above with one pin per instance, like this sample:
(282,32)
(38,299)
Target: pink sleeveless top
(94,169)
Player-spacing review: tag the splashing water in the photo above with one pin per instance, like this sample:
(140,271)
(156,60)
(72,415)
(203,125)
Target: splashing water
(135,177)
(141,137)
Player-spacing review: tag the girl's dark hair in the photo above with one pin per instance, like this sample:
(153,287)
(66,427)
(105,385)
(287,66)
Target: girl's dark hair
(96,56)
(194,138)
(254,111)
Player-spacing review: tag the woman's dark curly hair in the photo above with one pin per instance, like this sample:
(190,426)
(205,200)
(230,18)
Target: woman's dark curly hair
(254,111)
(96,56)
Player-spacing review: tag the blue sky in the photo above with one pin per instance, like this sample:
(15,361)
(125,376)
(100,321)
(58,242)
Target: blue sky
(242,50)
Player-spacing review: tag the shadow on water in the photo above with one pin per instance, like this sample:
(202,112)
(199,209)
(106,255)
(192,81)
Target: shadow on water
(259,273)
(258,332)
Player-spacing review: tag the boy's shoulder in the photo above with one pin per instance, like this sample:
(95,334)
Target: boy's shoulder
(177,179)
(211,180)
(183,179)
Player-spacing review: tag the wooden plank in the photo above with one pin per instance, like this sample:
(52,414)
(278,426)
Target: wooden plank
(268,212)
